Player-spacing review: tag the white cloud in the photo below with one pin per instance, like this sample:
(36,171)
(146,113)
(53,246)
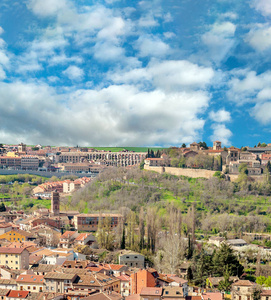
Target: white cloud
(74,73)
(219,40)
(153,46)
(131,115)
(262,112)
(221,133)
(106,51)
(47,8)
(147,21)
(263,6)
(1,30)
(260,37)
(249,87)
(170,76)
(220,116)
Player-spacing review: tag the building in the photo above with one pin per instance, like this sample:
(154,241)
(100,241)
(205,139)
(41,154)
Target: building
(22,147)
(17,235)
(151,293)
(89,222)
(14,258)
(29,162)
(143,279)
(55,203)
(132,259)
(216,145)
(32,283)
(59,282)
(10,162)
(242,290)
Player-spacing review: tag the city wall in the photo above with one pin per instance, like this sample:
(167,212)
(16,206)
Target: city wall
(195,173)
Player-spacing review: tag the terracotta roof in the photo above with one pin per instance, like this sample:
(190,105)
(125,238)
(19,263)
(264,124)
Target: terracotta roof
(212,296)
(243,283)
(173,291)
(124,278)
(151,291)
(82,236)
(105,296)
(7,250)
(4,292)
(67,234)
(38,279)
(18,294)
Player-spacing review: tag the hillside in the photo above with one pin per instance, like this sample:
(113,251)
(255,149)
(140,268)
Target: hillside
(219,204)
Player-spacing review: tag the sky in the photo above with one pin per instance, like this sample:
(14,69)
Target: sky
(135,73)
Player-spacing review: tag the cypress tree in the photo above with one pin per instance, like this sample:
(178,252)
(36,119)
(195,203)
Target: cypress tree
(122,246)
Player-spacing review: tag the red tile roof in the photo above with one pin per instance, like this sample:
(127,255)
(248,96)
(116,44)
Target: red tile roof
(18,294)
(38,279)
(9,250)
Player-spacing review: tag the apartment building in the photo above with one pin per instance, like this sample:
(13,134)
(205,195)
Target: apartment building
(29,162)
(89,222)
(14,258)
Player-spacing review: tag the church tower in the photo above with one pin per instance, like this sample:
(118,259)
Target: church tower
(55,203)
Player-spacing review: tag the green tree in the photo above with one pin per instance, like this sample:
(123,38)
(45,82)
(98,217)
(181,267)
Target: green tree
(122,245)
(225,258)
(183,145)
(203,145)
(256,295)
(268,281)
(225,284)
(260,280)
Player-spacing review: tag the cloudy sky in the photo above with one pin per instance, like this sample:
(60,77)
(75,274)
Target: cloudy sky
(135,73)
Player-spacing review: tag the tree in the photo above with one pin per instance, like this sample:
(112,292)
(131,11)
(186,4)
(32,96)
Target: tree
(225,258)
(225,284)
(2,207)
(260,280)
(141,229)
(183,145)
(122,246)
(256,295)
(203,145)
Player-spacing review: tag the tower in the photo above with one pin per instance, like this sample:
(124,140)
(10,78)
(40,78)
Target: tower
(55,203)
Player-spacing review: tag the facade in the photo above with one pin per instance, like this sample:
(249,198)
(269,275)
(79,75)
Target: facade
(59,282)
(29,162)
(89,222)
(17,236)
(132,259)
(32,283)
(242,290)
(216,145)
(10,162)
(14,258)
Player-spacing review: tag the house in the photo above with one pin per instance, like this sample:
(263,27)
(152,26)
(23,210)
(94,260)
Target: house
(32,283)
(132,259)
(242,290)
(17,235)
(151,293)
(180,282)
(67,238)
(154,162)
(4,293)
(173,293)
(237,243)
(125,284)
(212,296)
(14,258)
(84,239)
(10,284)
(98,282)
(142,279)
(213,282)
(59,282)
(13,295)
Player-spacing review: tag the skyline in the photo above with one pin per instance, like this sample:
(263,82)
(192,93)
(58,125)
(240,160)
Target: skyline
(148,73)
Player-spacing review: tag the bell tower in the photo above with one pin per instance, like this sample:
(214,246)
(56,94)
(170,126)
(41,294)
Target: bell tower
(55,203)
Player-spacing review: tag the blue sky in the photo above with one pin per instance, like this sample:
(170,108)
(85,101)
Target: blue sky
(135,73)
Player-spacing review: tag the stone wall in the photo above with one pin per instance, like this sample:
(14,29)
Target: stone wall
(194,173)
